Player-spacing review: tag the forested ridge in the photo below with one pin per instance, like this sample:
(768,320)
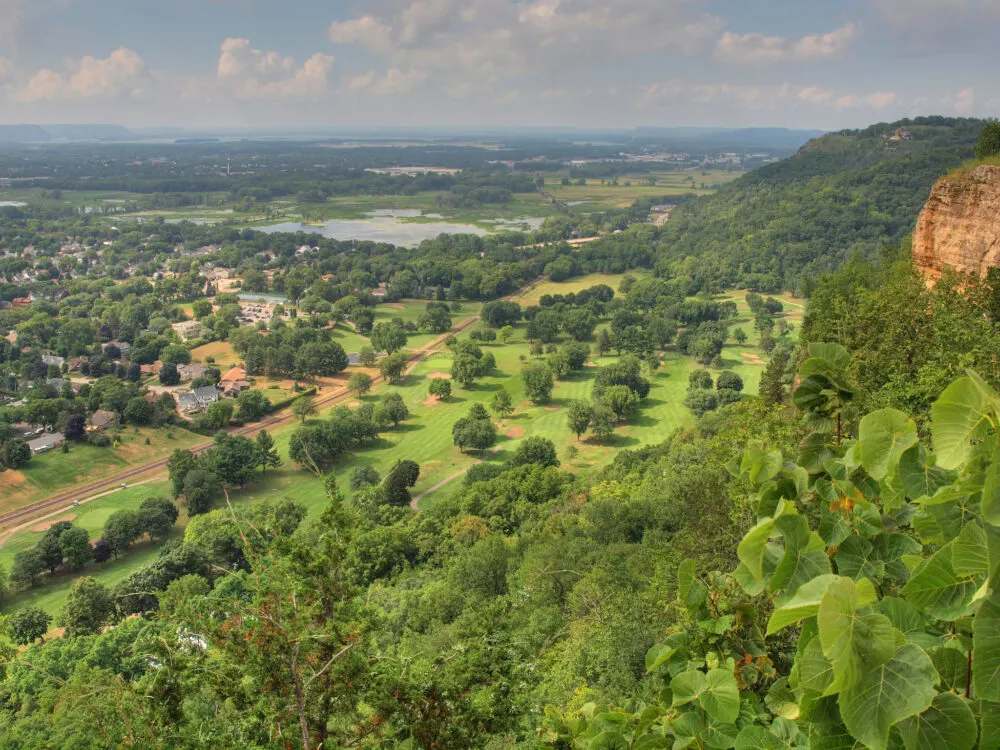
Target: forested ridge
(847,193)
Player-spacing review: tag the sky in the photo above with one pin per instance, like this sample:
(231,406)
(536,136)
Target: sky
(496,63)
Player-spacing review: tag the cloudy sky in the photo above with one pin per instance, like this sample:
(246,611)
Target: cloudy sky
(589,63)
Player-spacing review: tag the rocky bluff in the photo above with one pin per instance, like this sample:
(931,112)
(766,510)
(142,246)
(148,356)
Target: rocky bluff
(959,228)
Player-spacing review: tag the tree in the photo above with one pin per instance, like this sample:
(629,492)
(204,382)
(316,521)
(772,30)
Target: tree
(359,383)
(26,567)
(502,405)
(506,334)
(75,546)
(989,141)
(603,343)
(201,308)
(252,405)
(88,608)
(465,369)
(200,488)
(121,529)
(535,450)
(326,358)
(621,400)
(364,476)
(392,408)
(578,416)
(178,465)
(478,434)
(402,476)
(440,388)
(219,414)
(701,401)
(739,336)
(234,458)
(303,408)
(28,624)
(169,375)
(772,380)
(436,318)
(602,421)
(101,551)
(538,382)
(366,357)
(729,381)
(700,379)
(388,337)
(51,552)
(157,515)
(76,427)
(392,367)
(267,455)
(138,411)
(175,354)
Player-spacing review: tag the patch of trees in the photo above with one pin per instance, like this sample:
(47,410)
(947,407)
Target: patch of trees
(291,351)
(705,395)
(319,446)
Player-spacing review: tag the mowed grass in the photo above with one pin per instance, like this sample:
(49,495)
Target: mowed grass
(53,472)
(575,285)
(597,197)
(426,436)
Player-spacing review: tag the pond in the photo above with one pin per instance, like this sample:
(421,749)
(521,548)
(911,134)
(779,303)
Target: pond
(389,226)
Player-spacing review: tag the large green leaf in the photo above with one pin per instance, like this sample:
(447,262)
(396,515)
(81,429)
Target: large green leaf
(815,670)
(919,479)
(804,604)
(856,558)
(883,436)
(753,546)
(688,686)
(854,639)
(721,697)
(986,650)
(690,590)
(989,722)
(815,449)
(936,588)
(969,556)
(804,556)
(991,492)
(885,695)
(758,738)
(958,416)
(948,724)
(836,355)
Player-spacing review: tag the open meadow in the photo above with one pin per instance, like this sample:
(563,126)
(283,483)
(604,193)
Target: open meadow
(426,436)
(595,196)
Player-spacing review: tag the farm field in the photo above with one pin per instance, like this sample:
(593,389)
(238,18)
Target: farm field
(426,436)
(597,197)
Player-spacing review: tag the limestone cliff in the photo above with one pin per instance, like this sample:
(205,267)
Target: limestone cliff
(959,228)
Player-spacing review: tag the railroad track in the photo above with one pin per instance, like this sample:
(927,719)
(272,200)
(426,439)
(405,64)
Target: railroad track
(67,499)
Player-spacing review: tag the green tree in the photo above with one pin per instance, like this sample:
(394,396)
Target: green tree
(579,415)
(621,400)
(252,405)
(28,624)
(75,546)
(219,413)
(267,455)
(398,481)
(989,141)
(465,369)
(26,567)
(178,465)
(602,421)
(502,404)
(388,337)
(392,367)
(138,411)
(603,344)
(88,608)
(364,476)
(168,374)
(200,488)
(506,334)
(303,408)
(535,450)
(391,408)
(359,383)
(440,388)
(121,529)
(366,357)
(538,382)
(234,458)
(157,515)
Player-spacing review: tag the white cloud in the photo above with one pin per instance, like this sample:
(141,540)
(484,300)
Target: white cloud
(965,100)
(500,39)
(782,97)
(249,73)
(394,81)
(758,48)
(122,73)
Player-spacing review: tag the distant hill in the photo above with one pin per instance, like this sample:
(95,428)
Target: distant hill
(721,139)
(855,191)
(23,134)
(89,132)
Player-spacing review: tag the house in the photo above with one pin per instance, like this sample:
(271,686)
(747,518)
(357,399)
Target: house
(235,387)
(153,369)
(46,442)
(21,301)
(122,346)
(236,373)
(52,359)
(187,329)
(57,383)
(381,290)
(198,399)
(26,430)
(76,363)
(103,420)
(191,371)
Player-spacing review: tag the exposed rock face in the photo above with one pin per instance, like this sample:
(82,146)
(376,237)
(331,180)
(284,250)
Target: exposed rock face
(959,228)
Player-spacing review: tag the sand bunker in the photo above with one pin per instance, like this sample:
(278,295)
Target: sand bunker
(44,525)
(396,305)
(440,376)
(553,407)
(590,364)
(515,432)
(353,404)
(13,478)
(431,401)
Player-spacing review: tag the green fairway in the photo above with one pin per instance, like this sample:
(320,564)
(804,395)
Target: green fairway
(426,436)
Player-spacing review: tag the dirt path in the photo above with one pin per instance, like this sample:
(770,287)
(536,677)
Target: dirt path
(62,502)
(450,479)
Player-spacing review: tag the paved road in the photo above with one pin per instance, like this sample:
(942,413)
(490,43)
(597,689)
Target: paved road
(65,500)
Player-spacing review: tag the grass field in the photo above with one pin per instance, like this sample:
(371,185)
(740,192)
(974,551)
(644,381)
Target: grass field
(597,197)
(55,471)
(426,436)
